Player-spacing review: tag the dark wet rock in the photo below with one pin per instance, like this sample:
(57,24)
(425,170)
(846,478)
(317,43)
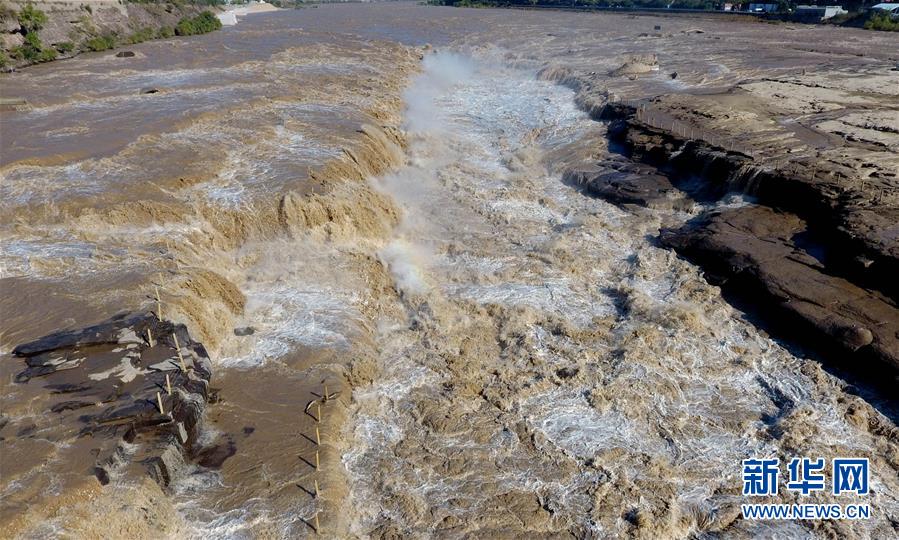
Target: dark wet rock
(104,333)
(752,252)
(125,54)
(149,91)
(69,406)
(214,456)
(567,372)
(244,331)
(629,186)
(102,475)
(112,377)
(859,222)
(66,388)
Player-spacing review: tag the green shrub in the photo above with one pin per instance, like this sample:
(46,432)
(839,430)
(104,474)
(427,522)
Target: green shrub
(47,55)
(65,47)
(882,21)
(31,49)
(31,18)
(100,43)
(166,32)
(4,60)
(141,35)
(201,24)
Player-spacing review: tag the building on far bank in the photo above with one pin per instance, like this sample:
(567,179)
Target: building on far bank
(763,8)
(818,13)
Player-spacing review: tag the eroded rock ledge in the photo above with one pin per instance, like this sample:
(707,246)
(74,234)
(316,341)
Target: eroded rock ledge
(753,251)
(815,251)
(120,395)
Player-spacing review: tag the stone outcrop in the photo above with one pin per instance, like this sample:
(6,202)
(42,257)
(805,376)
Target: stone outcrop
(754,252)
(818,253)
(126,387)
(860,221)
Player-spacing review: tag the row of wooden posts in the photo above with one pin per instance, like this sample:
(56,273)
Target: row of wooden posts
(151,343)
(324,398)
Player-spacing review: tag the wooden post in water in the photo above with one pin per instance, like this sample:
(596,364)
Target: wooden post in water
(316,488)
(159,400)
(325,394)
(168,384)
(180,357)
(158,305)
(316,460)
(317,529)
(318,439)
(318,412)
(149,338)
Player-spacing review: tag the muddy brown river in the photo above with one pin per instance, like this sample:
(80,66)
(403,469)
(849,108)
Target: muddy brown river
(370,199)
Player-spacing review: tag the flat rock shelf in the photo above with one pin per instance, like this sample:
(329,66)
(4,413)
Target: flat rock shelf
(127,394)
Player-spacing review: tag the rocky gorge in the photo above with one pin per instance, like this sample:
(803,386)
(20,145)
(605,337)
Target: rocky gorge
(455,273)
(819,250)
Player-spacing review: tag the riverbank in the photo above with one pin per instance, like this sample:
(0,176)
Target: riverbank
(45,30)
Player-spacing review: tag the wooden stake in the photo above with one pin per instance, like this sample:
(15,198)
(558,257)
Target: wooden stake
(316,460)
(316,523)
(149,337)
(180,358)
(158,305)
(159,399)
(325,395)
(318,411)
(168,384)
(316,488)
(318,437)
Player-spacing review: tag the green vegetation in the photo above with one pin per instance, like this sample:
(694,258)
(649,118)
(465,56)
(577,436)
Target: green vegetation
(882,21)
(140,36)
(201,24)
(31,18)
(100,43)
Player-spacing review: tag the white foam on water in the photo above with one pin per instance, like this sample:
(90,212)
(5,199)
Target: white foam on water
(286,317)
(695,385)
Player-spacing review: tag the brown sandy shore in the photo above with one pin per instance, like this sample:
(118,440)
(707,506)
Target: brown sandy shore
(800,120)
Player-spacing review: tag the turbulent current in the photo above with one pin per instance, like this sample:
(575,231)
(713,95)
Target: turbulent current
(551,365)
(509,356)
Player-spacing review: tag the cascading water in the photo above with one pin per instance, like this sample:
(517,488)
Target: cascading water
(552,366)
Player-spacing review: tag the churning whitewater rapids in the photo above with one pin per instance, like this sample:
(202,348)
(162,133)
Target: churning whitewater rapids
(511,357)
(549,347)
(544,363)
